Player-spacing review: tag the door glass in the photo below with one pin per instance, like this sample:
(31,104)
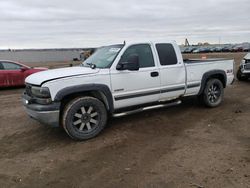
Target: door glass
(10,66)
(1,66)
(143,51)
(166,54)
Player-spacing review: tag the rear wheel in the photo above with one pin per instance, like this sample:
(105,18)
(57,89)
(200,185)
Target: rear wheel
(84,118)
(213,93)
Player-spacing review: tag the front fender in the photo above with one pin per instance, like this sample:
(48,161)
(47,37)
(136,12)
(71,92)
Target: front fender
(85,88)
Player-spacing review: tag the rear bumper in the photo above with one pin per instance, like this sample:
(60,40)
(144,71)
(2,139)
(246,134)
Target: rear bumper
(45,114)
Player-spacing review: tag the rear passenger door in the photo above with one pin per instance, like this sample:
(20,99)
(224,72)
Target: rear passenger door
(172,71)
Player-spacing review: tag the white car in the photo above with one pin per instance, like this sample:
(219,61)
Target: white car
(244,70)
(119,80)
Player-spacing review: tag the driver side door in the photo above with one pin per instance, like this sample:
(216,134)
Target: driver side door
(132,88)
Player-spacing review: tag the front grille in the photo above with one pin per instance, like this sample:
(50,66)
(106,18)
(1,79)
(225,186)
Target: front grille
(28,89)
(247,66)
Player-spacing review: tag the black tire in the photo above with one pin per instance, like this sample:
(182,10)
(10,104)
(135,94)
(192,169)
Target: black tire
(84,118)
(241,76)
(213,93)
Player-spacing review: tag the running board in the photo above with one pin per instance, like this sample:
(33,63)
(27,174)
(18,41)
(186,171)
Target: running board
(147,108)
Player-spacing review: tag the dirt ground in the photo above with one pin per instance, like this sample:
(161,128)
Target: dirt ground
(183,146)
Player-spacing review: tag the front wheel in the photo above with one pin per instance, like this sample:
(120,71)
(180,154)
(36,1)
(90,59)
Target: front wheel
(213,93)
(241,76)
(84,118)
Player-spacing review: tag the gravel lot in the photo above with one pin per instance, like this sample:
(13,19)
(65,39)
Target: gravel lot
(183,146)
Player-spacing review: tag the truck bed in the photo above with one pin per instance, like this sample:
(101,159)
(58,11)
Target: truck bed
(196,68)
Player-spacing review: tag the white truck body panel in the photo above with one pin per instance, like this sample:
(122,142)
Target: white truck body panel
(195,72)
(102,76)
(172,76)
(41,77)
(247,56)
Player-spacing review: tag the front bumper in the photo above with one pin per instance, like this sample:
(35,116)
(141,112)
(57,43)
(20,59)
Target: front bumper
(46,114)
(245,68)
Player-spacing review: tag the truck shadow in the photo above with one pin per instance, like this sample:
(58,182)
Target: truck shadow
(168,119)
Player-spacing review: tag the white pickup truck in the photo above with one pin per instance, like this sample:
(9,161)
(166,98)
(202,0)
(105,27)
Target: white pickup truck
(122,79)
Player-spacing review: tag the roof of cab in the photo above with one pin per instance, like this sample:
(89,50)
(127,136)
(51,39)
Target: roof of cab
(149,41)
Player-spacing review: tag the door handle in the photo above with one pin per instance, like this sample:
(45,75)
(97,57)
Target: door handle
(154,74)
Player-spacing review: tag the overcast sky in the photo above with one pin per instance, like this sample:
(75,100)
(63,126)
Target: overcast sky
(90,23)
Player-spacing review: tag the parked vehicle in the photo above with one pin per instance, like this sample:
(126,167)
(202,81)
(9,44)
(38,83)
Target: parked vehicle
(204,50)
(119,80)
(218,49)
(196,50)
(189,50)
(227,49)
(237,49)
(212,49)
(14,74)
(246,49)
(243,72)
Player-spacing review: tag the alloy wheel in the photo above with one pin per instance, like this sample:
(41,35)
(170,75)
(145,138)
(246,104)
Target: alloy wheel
(86,119)
(214,93)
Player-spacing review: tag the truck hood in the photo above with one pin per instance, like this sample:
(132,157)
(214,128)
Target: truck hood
(41,77)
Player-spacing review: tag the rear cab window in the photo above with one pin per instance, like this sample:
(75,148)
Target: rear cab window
(167,54)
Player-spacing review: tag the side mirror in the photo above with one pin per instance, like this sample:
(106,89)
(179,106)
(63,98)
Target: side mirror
(23,69)
(132,64)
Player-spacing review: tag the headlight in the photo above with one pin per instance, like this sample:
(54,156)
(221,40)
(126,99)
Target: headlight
(41,92)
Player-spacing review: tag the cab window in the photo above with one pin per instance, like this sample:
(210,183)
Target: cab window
(143,51)
(166,54)
(1,66)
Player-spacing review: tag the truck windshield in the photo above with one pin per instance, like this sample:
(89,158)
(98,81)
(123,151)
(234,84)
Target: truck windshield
(103,57)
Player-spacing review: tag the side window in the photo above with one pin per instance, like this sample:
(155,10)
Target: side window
(166,54)
(144,52)
(10,66)
(1,66)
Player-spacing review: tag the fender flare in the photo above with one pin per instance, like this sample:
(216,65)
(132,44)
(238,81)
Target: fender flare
(210,74)
(85,88)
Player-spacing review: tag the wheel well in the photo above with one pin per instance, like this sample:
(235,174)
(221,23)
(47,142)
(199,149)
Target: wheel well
(220,77)
(96,94)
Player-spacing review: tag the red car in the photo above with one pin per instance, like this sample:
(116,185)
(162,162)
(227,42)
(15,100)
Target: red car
(14,74)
